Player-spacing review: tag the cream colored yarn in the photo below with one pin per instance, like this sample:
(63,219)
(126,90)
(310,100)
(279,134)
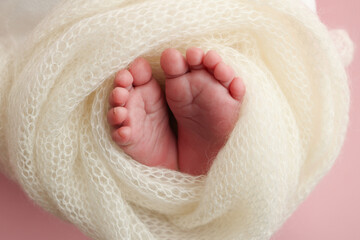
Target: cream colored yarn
(55,142)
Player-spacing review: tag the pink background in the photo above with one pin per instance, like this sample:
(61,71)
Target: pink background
(331,212)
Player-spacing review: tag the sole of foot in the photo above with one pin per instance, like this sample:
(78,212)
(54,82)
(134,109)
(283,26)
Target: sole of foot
(205,97)
(139,117)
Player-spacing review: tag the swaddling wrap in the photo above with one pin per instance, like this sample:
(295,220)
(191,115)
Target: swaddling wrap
(55,141)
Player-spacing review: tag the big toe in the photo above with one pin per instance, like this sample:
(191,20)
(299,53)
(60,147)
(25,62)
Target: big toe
(173,63)
(141,71)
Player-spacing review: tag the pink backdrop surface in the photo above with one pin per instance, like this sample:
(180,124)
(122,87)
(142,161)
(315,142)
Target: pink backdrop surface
(331,212)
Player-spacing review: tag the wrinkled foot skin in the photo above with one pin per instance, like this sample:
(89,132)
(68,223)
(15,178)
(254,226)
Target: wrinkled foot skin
(139,117)
(204,95)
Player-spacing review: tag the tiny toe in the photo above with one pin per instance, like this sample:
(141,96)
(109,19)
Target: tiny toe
(141,71)
(211,59)
(117,115)
(173,63)
(118,97)
(237,89)
(224,73)
(121,135)
(194,57)
(123,79)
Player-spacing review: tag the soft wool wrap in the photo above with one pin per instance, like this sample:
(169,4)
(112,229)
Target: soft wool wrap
(55,141)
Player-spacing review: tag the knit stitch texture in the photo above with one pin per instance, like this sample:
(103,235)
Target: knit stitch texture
(55,140)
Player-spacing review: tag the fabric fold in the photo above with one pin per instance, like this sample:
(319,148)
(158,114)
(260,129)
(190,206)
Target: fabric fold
(55,141)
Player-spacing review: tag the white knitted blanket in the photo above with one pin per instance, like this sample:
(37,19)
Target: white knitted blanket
(55,141)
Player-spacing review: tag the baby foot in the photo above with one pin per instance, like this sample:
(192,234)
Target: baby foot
(204,96)
(139,117)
